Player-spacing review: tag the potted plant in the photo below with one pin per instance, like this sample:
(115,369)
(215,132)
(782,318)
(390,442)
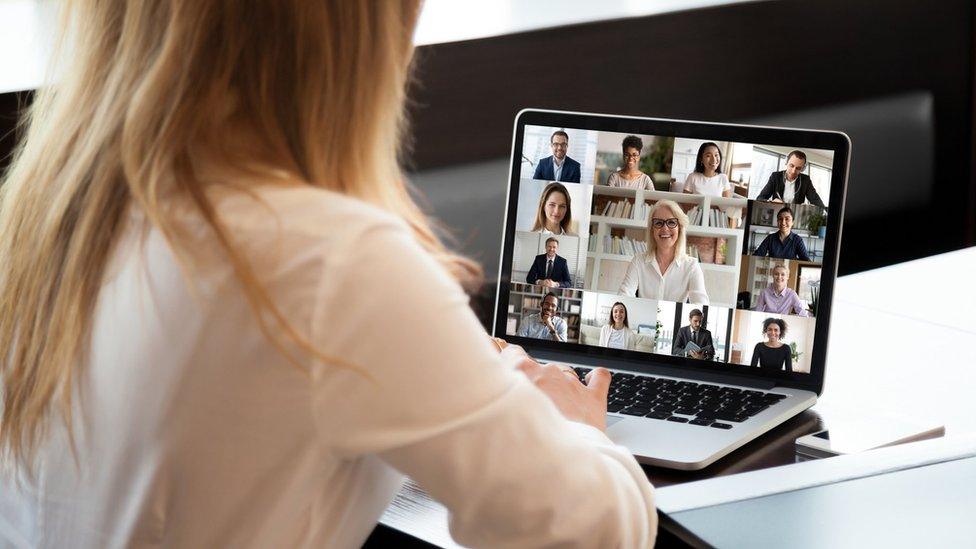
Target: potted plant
(816,222)
(657,162)
(814,295)
(794,354)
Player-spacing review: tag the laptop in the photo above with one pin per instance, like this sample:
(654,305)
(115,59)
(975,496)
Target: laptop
(696,261)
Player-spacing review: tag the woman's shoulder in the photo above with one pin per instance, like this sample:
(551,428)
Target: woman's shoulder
(688,262)
(302,210)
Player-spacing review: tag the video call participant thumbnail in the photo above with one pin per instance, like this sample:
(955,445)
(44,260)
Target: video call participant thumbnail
(666,271)
(629,176)
(616,333)
(545,324)
(558,166)
(708,178)
(555,213)
(783,244)
(549,269)
(773,355)
(790,185)
(694,333)
(777,298)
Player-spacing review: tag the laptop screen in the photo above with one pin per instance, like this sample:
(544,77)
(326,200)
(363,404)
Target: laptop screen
(697,249)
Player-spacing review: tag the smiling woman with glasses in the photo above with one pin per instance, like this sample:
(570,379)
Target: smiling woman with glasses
(629,176)
(666,271)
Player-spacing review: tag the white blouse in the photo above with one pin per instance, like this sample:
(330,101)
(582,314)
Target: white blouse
(683,280)
(623,338)
(713,186)
(192,430)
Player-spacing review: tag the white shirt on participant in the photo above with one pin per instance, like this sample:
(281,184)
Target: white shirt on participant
(613,338)
(192,430)
(557,167)
(789,190)
(683,280)
(697,183)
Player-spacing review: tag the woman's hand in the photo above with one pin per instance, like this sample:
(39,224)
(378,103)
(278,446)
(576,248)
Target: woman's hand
(578,402)
(585,403)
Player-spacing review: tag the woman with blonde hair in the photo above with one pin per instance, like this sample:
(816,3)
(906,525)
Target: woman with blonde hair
(666,271)
(197,235)
(555,212)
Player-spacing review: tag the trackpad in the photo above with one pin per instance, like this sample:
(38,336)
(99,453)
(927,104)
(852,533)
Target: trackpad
(613,419)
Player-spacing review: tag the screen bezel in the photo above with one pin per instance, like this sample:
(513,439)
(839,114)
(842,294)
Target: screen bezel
(837,142)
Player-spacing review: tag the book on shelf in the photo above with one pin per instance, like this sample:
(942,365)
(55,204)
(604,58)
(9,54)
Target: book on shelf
(622,209)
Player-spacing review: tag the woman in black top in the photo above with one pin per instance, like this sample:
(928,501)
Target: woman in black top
(773,355)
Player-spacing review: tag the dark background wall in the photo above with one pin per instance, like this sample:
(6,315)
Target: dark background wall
(896,76)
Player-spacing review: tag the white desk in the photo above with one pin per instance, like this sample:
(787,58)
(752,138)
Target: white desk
(893,350)
(903,342)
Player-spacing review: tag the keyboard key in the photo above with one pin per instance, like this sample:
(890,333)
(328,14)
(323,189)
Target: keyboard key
(631,411)
(699,421)
(658,415)
(615,407)
(639,409)
(721,425)
(753,410)
(677,419)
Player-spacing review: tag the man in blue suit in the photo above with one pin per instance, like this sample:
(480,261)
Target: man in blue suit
(558,167)
(549,269)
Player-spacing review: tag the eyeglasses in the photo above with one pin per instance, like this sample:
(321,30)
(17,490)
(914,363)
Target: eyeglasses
(672,223)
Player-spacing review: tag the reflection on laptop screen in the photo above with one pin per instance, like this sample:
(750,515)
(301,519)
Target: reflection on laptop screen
(698,248)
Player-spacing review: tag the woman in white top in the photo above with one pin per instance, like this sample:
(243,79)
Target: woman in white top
(555,213)
(666,271)
(708,178)
(616,333)
(629,175)
(198,238)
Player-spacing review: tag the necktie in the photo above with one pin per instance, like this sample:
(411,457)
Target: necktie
(549,269)
(694,337)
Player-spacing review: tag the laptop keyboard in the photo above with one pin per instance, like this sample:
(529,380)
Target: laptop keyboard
(683,401)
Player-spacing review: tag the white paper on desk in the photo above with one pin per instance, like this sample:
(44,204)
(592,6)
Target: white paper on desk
(755,484)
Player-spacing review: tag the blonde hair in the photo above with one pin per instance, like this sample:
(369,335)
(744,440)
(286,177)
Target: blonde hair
(680,249)
(540,217)
(151,86)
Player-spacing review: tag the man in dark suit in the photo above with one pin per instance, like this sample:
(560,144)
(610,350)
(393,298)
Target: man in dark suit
(549,269)
(790,185)
(558,167)
(694,333)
